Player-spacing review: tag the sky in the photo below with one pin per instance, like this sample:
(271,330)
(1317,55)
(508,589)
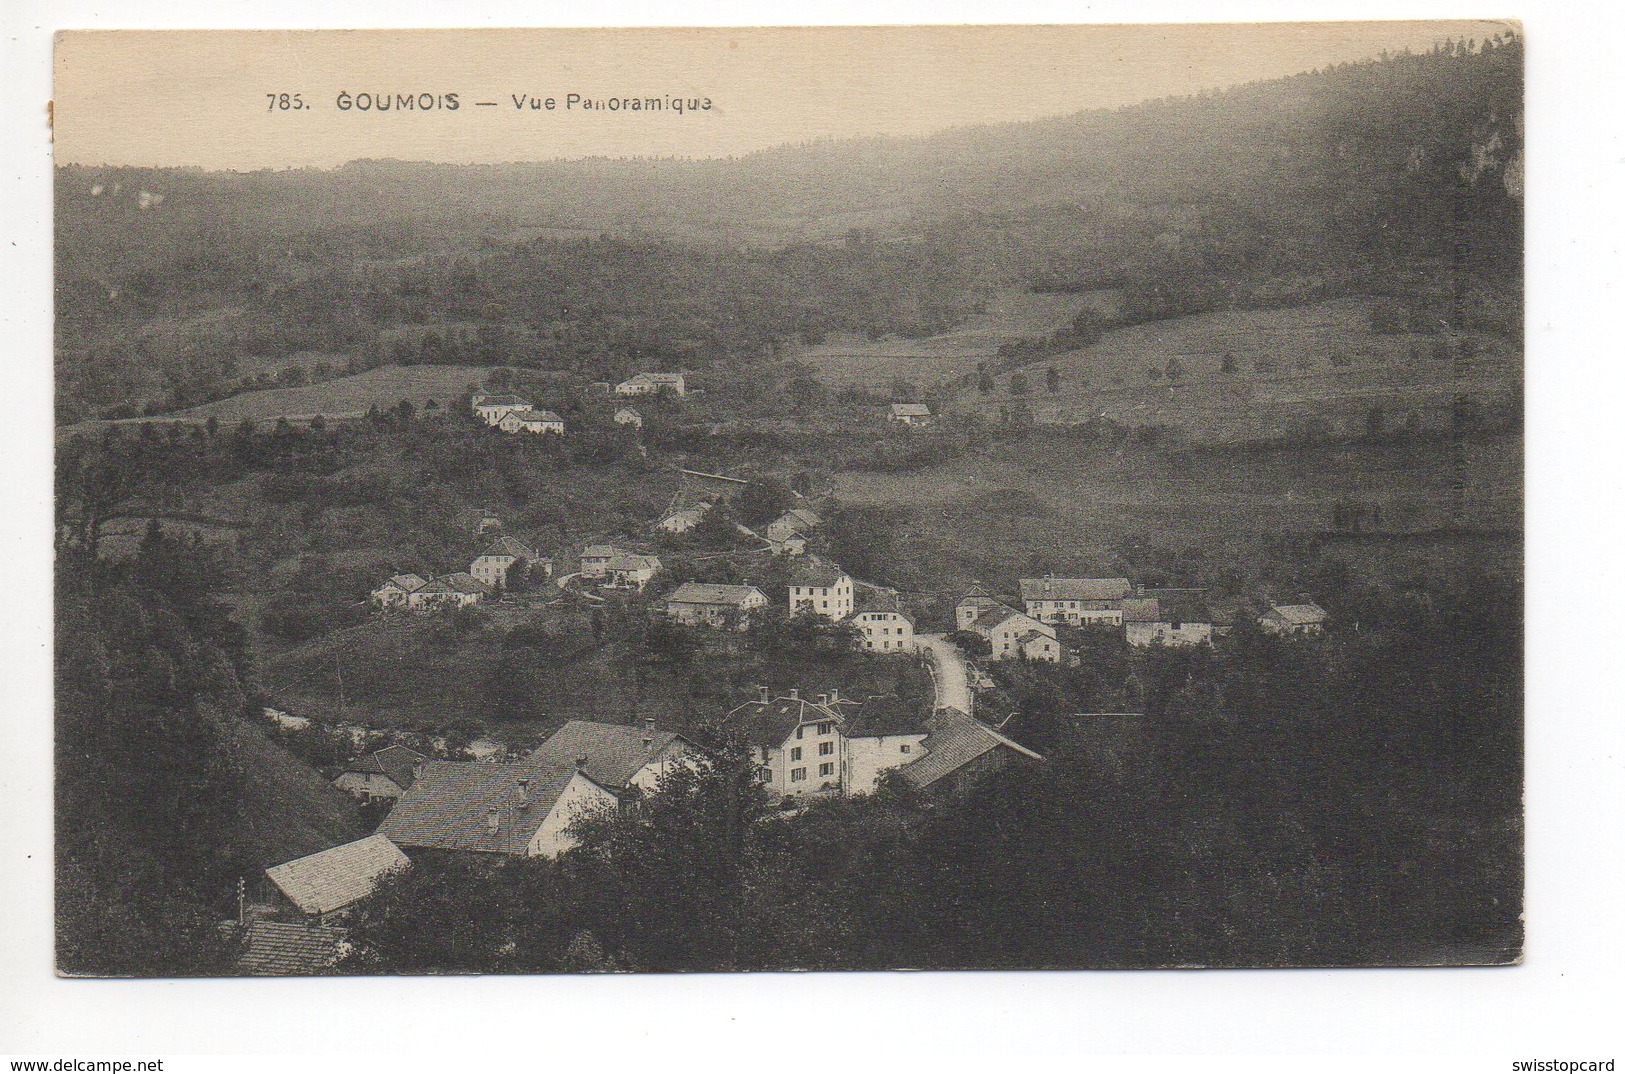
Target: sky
(213,99)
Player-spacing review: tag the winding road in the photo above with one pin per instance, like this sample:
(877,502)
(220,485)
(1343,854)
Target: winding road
(950,672)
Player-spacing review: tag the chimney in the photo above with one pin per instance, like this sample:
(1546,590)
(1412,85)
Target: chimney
(823,699)
(834,696)
(795,693)
(524,790)
(493,821)
(648,732)
(581,763)
(762,690)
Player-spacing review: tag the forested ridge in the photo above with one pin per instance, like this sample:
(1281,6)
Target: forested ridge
(1400,176)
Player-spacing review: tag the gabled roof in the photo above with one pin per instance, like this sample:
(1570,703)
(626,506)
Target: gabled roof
(888,715)
(955,740)
(769,723)
(876,607)
(510,546)
(533,417)
(278,949)
(713,593)
(993,617)
(1181,606)
(614,752)
(1050,588)
(450,802)
(1036,632)
(633,561)
(1141,610)
(600,551)
(695,511)
(333,879)
(396,762)
(457,582)
(509,400)
(911,410)
(822,575)
(1300,614)
(800,517)
(409,583)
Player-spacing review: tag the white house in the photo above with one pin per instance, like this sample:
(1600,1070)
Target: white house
(822,589)
(798,521)
(973,604)
(456,590)
(521,808)
(912,414)
(651,383)
(531,421)
(397,592)
(325,884)
(884,629)
(629,417)
(683,519)
(1075,601)
(596,558)
(491,566)
(1014,635)
(385,773)
(615,756)
(1290,620)
(1169,618)
(631,570)
(708,604)
(493,408)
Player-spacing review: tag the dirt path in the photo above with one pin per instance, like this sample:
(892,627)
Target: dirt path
(949,672)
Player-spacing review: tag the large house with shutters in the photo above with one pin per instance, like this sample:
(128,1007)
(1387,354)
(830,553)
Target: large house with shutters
(491,566)
(713,605)
(1075,601)
(811,747)
(884,628)
(821,589)
(531,421)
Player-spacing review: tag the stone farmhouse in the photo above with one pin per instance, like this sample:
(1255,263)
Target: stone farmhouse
(807,747)
(618,757)
(492,408)
(518,807)
(884,627)
(1289,620)
(1075,601)
(911,414)
(491,566)
(631,570)
(1012,635)
(595,560)
(821,589)
(796,522)
(712,605)
(457,590)
(385,773)
(323,886)
(683,519)
(1167,617)
(395,592)
(532,421)
(629,417)
(976,601)
(652,383)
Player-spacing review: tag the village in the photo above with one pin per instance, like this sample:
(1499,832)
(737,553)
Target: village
(805,744)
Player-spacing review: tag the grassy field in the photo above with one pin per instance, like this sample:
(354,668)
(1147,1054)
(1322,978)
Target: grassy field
(1055,503)
(1011,314)
(383,387)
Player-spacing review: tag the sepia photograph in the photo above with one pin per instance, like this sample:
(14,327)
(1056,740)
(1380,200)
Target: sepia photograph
(677,500)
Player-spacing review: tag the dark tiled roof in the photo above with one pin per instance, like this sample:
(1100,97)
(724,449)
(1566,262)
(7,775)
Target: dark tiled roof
(632,561)
(408,582)
(277,949)
(955,740)
(536,416)
(600,551)
(1300,614)
(450,802)
(992,617)
(889,715)
(614,752)
(769,723)
(333,879)
(510,546)
(1181,606)
(712,593)
(822,575)
(1074,588)
(396,762)
(457,582)
(1141,610)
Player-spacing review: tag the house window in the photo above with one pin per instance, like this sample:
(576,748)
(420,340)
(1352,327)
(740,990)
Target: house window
(903,748)
(826,727)
(795,753)
(824,749)
(799,730)
(826,769)
(797,775)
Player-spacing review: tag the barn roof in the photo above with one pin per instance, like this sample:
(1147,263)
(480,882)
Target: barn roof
(1300,614)
(456,582)
(954,741)
(450,803)
(600,551)
(396,762)
(510,546)
(713,593)
(822,575)
(769,723)
(879,716)
(278,949)
(911,410)
(333,879)
(614,752)
(407,582)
